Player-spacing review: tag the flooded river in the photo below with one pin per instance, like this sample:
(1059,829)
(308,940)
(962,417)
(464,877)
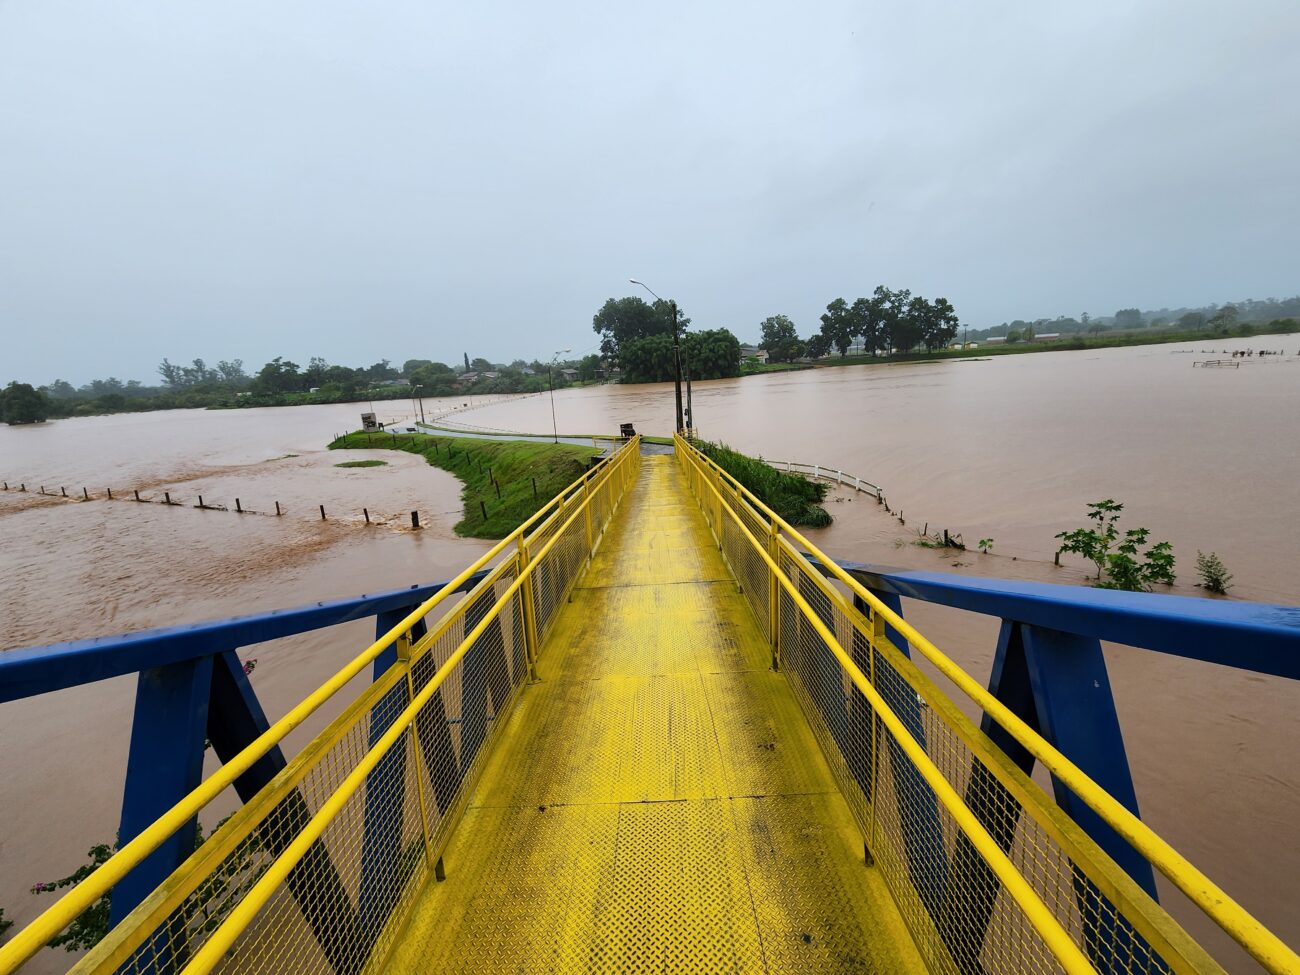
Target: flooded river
(1009,448)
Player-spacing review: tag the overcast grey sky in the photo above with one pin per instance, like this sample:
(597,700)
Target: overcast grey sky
(405,179)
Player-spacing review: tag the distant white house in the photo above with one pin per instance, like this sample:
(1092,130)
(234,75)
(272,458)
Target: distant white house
(753,352)
(570,374)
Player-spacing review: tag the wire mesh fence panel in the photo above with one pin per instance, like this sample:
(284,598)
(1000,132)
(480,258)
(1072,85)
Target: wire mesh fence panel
(340,906)
(962,917)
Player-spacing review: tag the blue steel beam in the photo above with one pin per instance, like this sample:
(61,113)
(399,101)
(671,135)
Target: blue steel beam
(31,671)
(1257,637)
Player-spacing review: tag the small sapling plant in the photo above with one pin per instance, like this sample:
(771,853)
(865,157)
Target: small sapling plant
(1120,561)
(1214,574)
(986,545)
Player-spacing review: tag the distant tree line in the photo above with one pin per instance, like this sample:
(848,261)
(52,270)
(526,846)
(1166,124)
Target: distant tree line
(888,322)
(282,382)
(638,338)
(1218,320)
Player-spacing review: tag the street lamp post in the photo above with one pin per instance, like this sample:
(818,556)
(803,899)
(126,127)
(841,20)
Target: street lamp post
(677,351)
(550,376)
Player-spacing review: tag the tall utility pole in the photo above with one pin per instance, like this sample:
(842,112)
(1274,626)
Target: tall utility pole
(677,352)
(677,363)
(686,366)
(550,375)
(421,401)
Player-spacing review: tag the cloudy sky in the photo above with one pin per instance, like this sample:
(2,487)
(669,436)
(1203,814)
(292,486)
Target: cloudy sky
(395,179)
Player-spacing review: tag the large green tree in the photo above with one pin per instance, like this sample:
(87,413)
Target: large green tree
(838,325)
(780,339)
(278,376)
(713,354)
(891,311)
(1128,318)
(623,320)
(647,360)
(22,403)
(936,321)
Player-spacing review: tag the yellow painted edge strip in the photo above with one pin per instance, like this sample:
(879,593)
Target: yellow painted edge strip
(1039,916)
(75,902)
(206,958)
(1262,944)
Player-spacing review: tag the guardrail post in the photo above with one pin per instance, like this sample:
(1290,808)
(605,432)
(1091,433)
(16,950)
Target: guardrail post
(531,643)
(773,599)
(586,512)
(164,764)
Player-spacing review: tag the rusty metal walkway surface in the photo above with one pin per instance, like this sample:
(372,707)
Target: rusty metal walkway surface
(657,803)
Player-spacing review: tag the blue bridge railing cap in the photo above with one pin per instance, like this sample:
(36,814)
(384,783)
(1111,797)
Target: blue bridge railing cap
(1261,637)
(30,671)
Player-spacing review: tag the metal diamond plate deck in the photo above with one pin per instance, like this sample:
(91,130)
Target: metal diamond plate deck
(657,802)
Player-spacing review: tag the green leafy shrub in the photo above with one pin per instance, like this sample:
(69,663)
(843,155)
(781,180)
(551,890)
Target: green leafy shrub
(1120,561)
(795,498)
(1214,574)
(986,545)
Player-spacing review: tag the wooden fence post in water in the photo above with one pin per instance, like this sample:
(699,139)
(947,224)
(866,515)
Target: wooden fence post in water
(277,509)
(239,509)
(167,495)
(65,491)
(415,519)
(366,512)
(85,495)
(322,512)
(137,494)
(110,494)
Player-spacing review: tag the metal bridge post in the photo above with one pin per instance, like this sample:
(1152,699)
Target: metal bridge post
(586,511)
(385,790)
(531,643)
(1058,684)
(773,600)
(165,763)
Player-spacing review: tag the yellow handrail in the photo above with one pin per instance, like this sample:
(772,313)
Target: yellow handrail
(1039,915)
(212,951)
(1262,944)
(84,895)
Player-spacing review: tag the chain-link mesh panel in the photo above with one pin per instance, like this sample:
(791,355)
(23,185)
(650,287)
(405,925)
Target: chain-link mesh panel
(962,918)
(344,902)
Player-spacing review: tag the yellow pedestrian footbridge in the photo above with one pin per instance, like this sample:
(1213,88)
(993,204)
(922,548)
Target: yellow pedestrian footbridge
(661,733)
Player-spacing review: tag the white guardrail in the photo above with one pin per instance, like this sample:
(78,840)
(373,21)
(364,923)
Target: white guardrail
(830,474)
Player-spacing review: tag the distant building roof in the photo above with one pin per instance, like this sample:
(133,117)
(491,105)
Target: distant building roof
(1046,335)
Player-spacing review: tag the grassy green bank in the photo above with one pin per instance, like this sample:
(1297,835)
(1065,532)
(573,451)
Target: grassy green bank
(792,496)
(487,467)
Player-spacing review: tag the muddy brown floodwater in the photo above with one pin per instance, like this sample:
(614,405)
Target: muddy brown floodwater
(1010,448)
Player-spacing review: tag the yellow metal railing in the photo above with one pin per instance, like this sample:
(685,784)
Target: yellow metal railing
(317,872)
(988,872)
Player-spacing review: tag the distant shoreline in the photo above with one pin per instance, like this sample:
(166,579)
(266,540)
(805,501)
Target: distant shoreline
(1278,327)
